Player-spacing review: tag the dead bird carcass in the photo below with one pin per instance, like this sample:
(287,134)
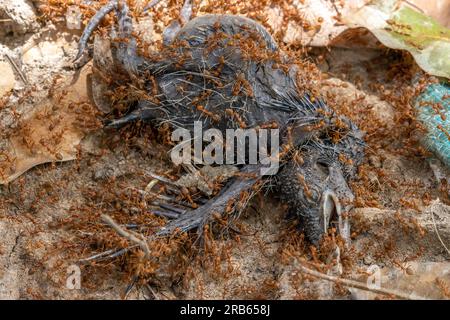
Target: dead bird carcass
(227,72)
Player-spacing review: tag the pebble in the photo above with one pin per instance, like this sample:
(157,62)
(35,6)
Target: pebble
(104,173)
(73,18)
(21,17)
(375,161)
(368,260)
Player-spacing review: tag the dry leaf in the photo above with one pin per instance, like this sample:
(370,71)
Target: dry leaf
(417,279)
(437,9)
(49,133)
(399,26)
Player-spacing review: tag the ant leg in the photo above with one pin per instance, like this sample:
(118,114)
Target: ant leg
(95,21)
(199,217)
(172,30)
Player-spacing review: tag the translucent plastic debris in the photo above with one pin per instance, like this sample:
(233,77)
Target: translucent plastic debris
(73,18)
(434,111)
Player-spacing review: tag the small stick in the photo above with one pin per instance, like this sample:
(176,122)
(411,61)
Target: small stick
(129,287)
(160,178)
(99,255)
(437,233)
(149,288)
(22,76)
(360,285)
(108,254)
(121,252)
(414,6)
(108,220)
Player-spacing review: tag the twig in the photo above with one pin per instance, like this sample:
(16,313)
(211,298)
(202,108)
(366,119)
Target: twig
(121,252)
(336,8)
(155,296)
(22,76)
(109,254)
(360,285)
(160,178)
(414,6)
(108,220)
(99,255)
(437,232)
(129,287)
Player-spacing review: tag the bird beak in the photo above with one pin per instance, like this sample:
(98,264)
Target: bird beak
(331,215)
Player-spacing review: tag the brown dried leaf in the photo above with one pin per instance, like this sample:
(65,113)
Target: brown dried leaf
(49,133)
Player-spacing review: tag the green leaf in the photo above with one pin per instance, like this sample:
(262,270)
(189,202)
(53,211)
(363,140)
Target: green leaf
(399,26)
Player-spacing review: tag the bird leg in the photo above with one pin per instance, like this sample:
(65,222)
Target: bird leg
(172,30)
(199,217)
(126,53)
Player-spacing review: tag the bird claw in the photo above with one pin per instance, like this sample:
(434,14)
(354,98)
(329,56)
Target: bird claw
(93,24)
(126,52)
(125,27)
(331,215)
